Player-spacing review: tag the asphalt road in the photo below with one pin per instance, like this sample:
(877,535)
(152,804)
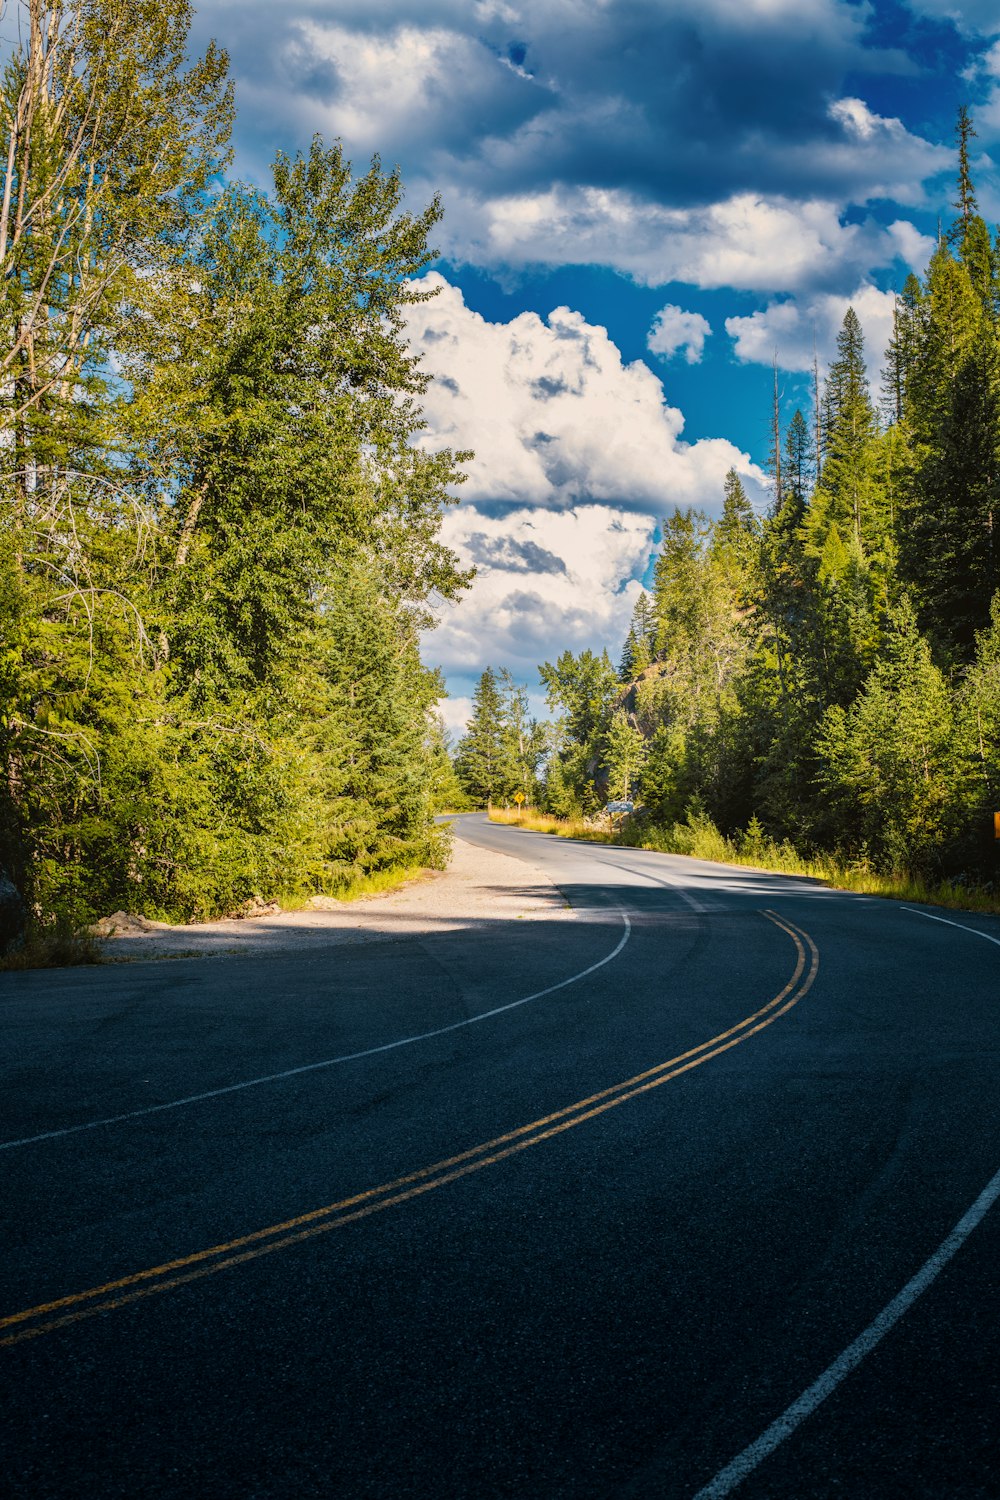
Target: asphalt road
(692,1219)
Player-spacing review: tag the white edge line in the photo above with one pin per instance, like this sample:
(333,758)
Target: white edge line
(960,925)
(329,1062)
(744,1463)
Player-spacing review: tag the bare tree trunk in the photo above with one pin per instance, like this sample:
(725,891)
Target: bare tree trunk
(776,438)
(818,437)
(190,522)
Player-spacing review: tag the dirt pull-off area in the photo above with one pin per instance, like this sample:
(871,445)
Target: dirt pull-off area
(478,887)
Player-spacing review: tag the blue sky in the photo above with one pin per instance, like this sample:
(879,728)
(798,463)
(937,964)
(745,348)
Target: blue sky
(646,201)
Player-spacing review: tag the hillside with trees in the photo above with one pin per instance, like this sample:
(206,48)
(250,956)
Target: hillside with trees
(829,673)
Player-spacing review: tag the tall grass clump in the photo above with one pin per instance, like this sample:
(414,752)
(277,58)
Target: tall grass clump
(54,945)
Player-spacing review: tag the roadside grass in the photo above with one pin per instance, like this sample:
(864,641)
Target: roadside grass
(539,822)
(699,838)
(357,887)
(56,946)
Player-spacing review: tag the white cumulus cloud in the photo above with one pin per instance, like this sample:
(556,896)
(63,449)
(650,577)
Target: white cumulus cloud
(748,242)
(791,330)
(675,331)
(578,455)
(518,619)
(554,414)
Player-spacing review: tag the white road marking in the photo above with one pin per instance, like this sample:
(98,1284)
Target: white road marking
(960,925)
(744,1463)
(330,1062)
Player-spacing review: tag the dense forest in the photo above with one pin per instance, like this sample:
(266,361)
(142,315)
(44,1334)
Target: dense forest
(218,537)
(827,674)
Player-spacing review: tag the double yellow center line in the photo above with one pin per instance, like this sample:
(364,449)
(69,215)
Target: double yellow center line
(48,1316)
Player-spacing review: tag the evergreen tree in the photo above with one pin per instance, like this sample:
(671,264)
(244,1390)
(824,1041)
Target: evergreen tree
(948,507)
(849,425)
(446,791)
(736,535)
(626,755)
(959,493)
(798,461)
(524,740)
(637,653)
(626,664)
(889,762)
(482,761)
(581,691)
(978,735)
(965,201)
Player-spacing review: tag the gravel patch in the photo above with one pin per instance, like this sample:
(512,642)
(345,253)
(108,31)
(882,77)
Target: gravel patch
(479,887)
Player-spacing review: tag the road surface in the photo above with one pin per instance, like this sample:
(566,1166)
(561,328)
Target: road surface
(691,1195)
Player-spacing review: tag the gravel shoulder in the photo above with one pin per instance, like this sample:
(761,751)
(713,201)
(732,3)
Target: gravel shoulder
(479,887)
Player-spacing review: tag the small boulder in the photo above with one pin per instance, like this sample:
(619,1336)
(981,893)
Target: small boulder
(256,907)
(121,924)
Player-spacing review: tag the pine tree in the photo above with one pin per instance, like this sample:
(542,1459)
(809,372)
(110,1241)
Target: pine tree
(626,664)
(481,760)
(524,740)
(625,754)
(978,711)
(774,452)
(958,571)
(965,202)
(903,350)
(637,653)
(890,763)
(948,509)
(849,424)
(581,691)
(798,461)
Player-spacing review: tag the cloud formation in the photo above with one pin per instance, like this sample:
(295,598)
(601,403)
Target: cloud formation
(793,330)
(509,618)
(971,16)
(555,416)
(695,141)
(745,242)
(578,455)
(675,331)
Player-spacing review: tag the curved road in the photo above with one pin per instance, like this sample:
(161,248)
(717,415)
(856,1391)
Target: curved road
(687,1197)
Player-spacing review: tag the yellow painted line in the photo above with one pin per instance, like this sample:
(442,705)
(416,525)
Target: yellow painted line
(401,1189)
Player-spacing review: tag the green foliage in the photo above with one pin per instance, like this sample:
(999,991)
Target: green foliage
(889,762)
(216,551)
(501,751)
(822,686)
(481,758)
(625,754)
(581,691)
